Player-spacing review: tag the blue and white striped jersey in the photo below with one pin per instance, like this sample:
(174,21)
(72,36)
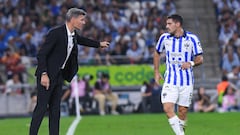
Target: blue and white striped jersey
(179,50)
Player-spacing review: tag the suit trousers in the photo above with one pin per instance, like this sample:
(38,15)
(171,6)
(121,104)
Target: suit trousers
(47,100)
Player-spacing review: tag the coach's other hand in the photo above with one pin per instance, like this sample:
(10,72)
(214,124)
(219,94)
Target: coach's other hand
(104,44)
(45,81)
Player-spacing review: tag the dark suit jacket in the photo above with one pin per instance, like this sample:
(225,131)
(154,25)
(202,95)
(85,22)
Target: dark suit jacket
(53,53)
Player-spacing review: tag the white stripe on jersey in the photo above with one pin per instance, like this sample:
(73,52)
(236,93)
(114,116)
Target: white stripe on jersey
(179,50)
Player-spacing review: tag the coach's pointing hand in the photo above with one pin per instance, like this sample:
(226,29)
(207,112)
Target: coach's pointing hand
(104,44)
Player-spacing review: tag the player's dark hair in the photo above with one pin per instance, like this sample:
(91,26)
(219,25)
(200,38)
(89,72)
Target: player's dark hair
(176,18)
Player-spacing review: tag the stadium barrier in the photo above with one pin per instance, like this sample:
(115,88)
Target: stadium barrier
(15,105)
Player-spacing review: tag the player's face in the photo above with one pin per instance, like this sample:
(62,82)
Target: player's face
(78,22)
(171,26)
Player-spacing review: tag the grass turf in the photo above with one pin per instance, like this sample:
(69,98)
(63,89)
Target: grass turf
(132,124)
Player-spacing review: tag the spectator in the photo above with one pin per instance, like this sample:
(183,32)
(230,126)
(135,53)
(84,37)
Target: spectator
(117,21)
(12,62)
(8,8)
(41,6)
(54,7)
(3,45)
(85,55)
(122,35)
(27,62)
(169,8)
(38,34)
(15,19)
(103,22)
(103,57)
(229,100)
(149,32)
(156,106)
(23,7)
(225,34)
(230,59)
(236,39)
(134,54)
(146,93)
(29,49)
(134,24)
(234,75)
(117,54)
(11,44)
(69,3)
(84,91)
(33,101)
(148,54)
(203,102)
(2,85)
(103,92)
(14,85)
(26,25)
(10,32)
(221,87)
(230,44)
(141,41)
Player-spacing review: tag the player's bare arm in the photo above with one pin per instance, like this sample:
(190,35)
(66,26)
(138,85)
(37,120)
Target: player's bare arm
(156,62)
(197,61)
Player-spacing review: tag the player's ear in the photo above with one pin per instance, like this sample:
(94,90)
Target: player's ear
(178,24)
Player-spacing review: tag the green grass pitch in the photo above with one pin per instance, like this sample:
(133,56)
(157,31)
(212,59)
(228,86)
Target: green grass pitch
(132,124)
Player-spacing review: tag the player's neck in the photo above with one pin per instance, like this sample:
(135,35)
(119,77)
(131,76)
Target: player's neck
(179,33)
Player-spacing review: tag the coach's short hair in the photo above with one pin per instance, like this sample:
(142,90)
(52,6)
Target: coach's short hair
(176,18)
(74,12)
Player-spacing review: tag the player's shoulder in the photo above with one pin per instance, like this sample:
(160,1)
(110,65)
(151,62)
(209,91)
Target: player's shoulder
(191,35)
(165,35)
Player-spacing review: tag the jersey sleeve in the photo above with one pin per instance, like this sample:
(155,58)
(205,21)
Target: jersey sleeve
(160,45)
(197,47)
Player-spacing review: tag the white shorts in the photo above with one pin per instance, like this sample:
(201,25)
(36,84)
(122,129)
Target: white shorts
(181,95)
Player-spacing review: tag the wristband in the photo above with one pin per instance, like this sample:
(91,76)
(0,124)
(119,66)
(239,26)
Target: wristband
(192,63)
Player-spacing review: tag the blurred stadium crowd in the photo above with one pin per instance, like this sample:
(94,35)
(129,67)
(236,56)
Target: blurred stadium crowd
(228,29)
(228,22)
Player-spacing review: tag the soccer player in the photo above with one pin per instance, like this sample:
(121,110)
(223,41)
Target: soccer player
(183,52)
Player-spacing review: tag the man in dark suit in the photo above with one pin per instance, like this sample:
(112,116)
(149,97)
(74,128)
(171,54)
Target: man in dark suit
(57,61)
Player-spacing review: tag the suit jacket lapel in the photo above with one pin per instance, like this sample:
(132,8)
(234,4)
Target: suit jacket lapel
(75,38)
(65,39)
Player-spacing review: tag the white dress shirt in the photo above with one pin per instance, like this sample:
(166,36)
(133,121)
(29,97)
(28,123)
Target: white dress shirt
(70,45)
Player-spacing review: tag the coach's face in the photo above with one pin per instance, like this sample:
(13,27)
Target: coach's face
(78,22)
(172,26)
